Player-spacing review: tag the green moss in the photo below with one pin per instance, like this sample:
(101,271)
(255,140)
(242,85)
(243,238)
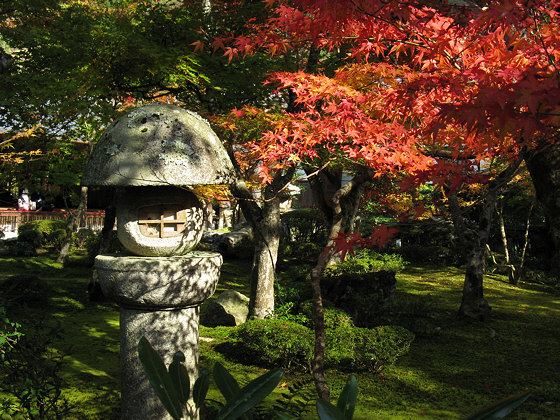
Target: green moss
(447,375)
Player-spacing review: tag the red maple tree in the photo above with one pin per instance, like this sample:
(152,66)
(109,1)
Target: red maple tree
(428,90)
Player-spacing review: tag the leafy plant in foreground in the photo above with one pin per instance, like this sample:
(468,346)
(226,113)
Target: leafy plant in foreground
(173,388)
(32,374)
(9,333)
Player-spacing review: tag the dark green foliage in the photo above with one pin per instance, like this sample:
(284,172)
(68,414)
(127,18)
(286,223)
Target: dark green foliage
(32,374)
(430,241)
(305,234)
(24,289)
(250,395)
(365,349)
(368,261)
(43,233)
(332,316)
(276,342)
(9,333)
(305,226)
(430,254)
(306,251)
(287,304)
(166,385)
(347,399)
(16,248)
(82,237)
(288,344)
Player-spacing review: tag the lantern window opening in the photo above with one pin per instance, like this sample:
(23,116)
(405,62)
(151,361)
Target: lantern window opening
(162,221)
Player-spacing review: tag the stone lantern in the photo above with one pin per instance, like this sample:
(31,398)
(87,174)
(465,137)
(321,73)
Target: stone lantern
(151,155)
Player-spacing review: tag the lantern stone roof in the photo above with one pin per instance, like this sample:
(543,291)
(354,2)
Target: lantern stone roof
(158,144)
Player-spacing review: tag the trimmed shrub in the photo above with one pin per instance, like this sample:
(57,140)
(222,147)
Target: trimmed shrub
(368,261)
(43,233)
(372,350)
(333,316)
(306,251)
(277,342)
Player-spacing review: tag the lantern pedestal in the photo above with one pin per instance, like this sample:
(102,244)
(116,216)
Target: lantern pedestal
(160,299)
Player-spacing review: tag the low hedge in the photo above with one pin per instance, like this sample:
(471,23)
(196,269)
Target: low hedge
(366,349)
(276,342)
(285,343)
(43,233)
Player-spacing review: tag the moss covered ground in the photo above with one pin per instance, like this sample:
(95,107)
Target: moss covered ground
(454,366)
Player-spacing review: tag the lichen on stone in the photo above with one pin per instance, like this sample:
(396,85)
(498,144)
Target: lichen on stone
(112,149)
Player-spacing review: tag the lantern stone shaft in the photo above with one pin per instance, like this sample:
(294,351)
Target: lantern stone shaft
(152,154)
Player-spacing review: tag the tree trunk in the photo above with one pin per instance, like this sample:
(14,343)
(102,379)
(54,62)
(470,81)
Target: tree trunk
(508,263)
(519,271)
(544,167)
(341,198)
(473,304)
(263,272)
(73,226)
(264,218)
(323,186)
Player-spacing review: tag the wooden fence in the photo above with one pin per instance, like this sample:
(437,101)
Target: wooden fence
(10,220)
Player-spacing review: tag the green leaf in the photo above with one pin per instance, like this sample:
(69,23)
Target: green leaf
(200,388)
(180,377)
(327,411)
(250,395)
(501,408)
(347,399)
(159,378)
(226,383)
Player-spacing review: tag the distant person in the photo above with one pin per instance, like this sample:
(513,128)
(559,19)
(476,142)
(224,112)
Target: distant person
(23,201)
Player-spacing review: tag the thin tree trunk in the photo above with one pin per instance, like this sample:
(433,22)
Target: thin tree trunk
(73,226)
(347,190)
(519,272)
(510,267)
(503,235)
